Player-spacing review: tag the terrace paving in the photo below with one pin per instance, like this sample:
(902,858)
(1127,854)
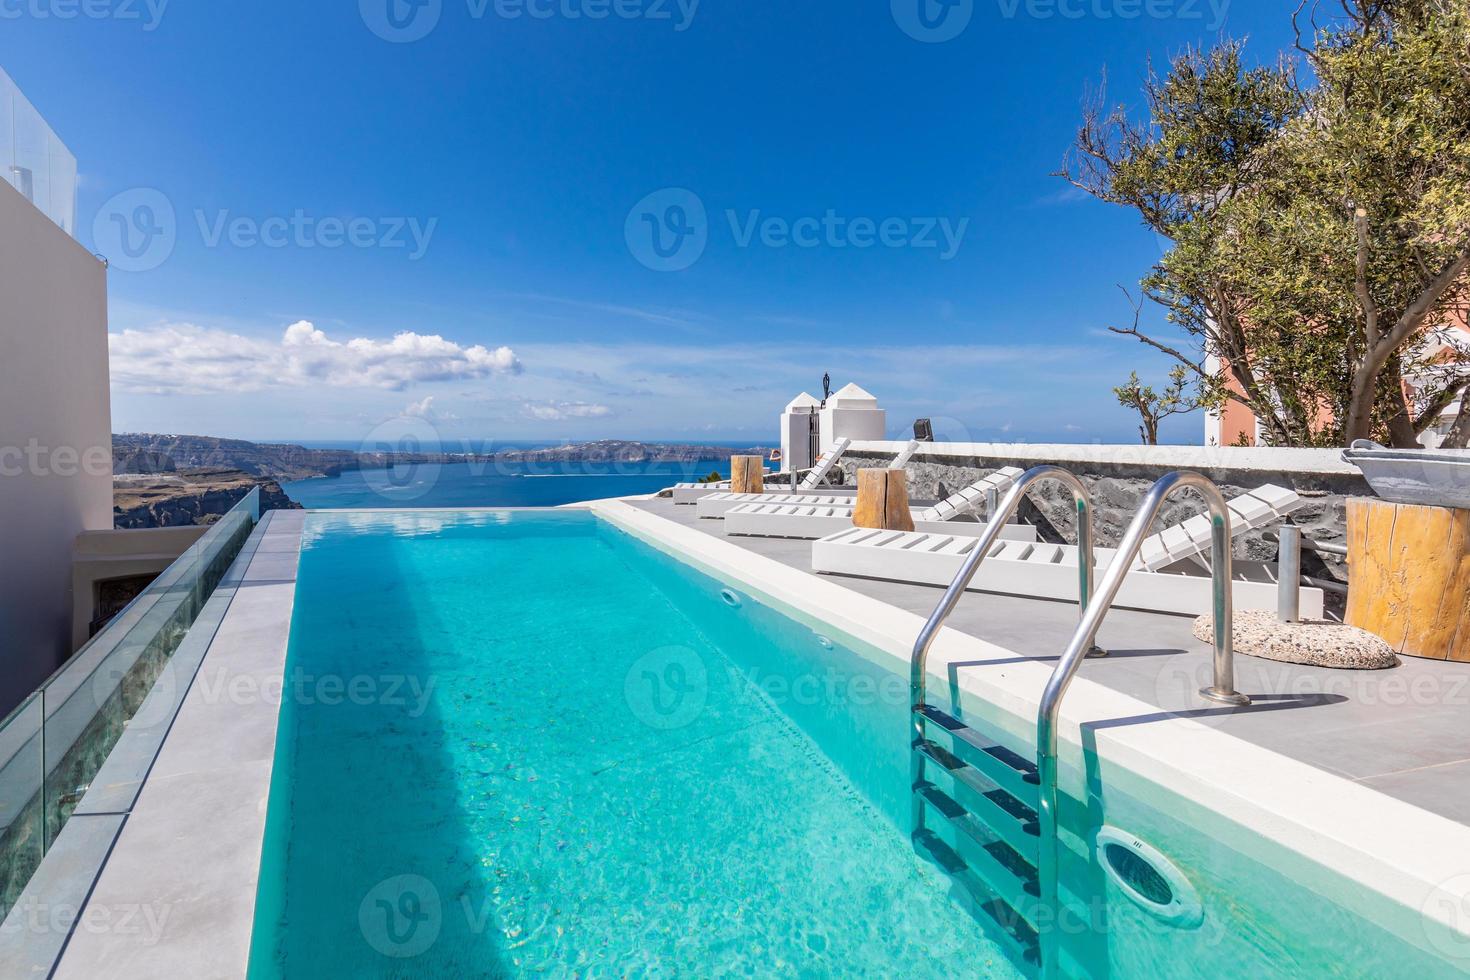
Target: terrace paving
(1404,732)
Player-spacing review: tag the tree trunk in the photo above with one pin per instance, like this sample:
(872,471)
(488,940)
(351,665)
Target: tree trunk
(1401,433)
(1411,576)
(747,474)
(1359,421)
(1459,434)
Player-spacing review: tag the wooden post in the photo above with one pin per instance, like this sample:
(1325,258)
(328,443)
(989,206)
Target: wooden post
(747,474)
(883,500)
(1410,576)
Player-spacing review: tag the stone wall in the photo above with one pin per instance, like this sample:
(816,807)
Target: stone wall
(1118,489)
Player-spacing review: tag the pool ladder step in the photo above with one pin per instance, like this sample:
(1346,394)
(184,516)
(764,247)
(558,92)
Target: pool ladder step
(1011,772)
(975,814)
(1015,934)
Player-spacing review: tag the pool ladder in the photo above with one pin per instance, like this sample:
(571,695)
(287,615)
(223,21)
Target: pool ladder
(1000,844)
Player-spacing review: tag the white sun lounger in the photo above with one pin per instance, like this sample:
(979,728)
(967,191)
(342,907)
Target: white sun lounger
(808,521)
(690,493)
(764,516)
(1164,579)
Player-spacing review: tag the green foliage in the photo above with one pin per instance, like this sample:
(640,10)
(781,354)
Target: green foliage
(1316,229)
(714,477)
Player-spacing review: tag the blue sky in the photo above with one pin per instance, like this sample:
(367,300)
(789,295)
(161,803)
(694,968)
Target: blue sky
(873,205)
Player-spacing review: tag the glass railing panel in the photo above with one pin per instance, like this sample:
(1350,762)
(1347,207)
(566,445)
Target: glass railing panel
(22,827)
(56,741)
(34,160)
(89,702)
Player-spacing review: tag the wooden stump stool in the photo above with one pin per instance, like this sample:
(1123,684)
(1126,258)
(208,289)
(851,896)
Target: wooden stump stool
(747,474)
(883,500)
(1410,576)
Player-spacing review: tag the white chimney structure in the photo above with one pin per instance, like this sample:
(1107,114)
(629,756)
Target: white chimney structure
(854,414)
(798,423)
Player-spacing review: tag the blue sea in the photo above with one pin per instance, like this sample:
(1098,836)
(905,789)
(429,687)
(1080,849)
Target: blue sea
(494,484)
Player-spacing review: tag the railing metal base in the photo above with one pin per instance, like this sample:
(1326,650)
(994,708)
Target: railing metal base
(1224,697)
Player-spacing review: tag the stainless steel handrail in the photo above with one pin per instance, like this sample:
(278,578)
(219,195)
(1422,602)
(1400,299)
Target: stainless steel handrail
(997,518)
(1222,691)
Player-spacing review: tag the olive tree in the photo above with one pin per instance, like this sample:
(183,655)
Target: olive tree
(1318,221)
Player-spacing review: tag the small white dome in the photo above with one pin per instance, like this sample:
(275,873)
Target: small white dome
(851,396)
(802,400)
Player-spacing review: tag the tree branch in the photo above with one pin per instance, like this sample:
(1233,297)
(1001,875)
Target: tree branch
(1360,280)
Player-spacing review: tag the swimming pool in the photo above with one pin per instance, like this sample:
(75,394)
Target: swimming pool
(529,743)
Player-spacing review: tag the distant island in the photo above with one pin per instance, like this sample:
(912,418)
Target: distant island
(169,480)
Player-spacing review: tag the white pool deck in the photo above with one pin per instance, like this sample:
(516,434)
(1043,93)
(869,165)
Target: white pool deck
(1365,775)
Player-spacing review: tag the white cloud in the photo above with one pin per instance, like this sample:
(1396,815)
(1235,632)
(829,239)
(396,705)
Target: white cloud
(424,409)
(557,411)
(187,359)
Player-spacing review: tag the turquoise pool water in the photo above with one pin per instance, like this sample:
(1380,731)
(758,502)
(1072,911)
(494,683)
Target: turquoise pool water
(529,745)
(566,756)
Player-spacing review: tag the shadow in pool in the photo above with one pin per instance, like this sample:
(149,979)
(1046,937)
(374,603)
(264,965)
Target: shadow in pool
(369,868)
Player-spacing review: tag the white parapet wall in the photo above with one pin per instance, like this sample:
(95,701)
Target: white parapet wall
(1324,462)
(55,434)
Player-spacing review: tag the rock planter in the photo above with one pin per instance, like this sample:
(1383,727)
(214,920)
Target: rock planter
(1312,644)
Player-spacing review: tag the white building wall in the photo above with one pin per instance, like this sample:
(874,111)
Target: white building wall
(853,414)
(796,422)
(55,434)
